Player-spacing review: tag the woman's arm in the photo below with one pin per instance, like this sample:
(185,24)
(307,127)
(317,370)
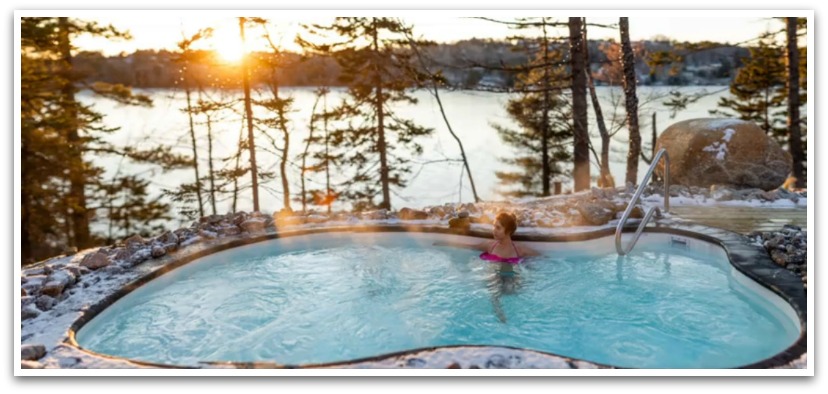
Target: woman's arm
(526,251)
(483,246)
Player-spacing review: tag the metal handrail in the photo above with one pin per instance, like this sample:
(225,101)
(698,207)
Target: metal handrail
(661,153)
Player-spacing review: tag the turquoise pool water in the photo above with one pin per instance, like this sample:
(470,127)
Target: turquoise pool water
(336,297)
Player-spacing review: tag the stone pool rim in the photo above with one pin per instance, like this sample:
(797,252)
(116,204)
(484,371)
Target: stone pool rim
(749,259)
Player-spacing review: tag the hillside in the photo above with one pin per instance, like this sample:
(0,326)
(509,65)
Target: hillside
(465,64)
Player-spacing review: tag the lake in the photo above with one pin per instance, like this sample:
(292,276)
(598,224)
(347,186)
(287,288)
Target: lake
(433,181)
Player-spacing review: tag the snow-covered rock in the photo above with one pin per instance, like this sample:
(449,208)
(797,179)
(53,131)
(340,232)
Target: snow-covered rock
(732,152)
(158,251)
(138,257)
(95,260)
(412,214)
(45,302)
(32,352)
(253,225)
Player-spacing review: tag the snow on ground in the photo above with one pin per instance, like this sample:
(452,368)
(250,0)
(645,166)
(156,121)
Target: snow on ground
(702,200)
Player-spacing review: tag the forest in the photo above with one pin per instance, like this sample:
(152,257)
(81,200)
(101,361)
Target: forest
(550,79)
(465,64)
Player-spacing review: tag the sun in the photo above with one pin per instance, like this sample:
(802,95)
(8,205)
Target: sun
(228,48)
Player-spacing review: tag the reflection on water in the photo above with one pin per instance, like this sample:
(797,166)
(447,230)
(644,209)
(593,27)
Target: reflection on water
(471,115)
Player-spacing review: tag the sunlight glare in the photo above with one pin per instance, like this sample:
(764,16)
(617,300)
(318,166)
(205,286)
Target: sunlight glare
(228,47)
(229,50)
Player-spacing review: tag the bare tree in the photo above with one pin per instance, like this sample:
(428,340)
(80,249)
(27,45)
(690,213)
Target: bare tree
(435,79)
(605,179)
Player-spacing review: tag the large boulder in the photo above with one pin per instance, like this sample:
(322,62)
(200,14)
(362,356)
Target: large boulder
(732,152)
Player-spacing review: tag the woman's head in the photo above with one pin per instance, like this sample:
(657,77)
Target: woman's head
(505,225)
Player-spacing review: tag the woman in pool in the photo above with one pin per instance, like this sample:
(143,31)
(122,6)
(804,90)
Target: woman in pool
(503,250)
(505,254)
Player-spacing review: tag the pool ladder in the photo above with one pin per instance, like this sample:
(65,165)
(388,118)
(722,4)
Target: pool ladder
(661,153)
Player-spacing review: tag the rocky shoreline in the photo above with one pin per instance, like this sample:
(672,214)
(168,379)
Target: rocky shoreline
(788,248)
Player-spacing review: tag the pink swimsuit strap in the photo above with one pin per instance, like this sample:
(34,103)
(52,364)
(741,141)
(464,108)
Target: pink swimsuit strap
(489,256)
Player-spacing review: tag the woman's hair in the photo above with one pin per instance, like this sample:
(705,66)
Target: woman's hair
(508,221)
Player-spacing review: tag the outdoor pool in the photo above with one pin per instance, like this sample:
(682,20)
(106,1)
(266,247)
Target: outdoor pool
(327,298)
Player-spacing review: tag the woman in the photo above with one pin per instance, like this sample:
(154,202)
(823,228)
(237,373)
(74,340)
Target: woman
(503,250)
(505,254)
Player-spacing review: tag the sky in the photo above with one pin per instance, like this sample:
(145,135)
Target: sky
(163,29)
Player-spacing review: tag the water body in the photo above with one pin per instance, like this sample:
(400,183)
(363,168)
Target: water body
(433,181)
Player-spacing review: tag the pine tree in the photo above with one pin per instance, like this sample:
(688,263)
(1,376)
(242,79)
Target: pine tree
(758,90)
(541,112)
(376,70)
(58,195)
(128,208)
(42,146)
(766,91)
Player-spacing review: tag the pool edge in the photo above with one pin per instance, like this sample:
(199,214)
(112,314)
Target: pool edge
(749,259)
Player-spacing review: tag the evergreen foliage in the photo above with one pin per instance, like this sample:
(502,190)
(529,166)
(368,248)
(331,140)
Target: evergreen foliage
(377,69)
(62,191)
(759,90)
(541,111)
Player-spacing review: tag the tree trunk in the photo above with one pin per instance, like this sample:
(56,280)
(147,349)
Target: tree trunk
(606,177)
(76,165)
(283,169)
(381,146)
(251,144)
(546,170)
(212,175)
(311,129)
(280,110)
(328,190)
(631,100)
(579,109)
(193,141)
(305,154)
(795,134)
(236,168)
(655,138)
(25,235)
